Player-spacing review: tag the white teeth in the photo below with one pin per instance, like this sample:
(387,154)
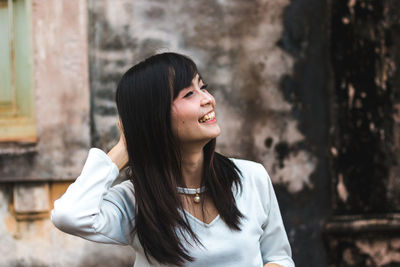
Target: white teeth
(207,117)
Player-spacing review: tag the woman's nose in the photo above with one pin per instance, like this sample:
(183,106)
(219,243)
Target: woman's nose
(206,99)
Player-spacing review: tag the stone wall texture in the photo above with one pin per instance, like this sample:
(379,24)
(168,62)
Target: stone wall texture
(62,105)
(266,65)
(293,81)
(61,86)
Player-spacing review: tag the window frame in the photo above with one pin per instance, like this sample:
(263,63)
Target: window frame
(19,124)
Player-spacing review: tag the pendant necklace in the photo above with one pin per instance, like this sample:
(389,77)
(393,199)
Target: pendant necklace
(192,191)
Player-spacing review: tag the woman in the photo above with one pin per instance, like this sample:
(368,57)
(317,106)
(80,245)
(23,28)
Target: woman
(184,204)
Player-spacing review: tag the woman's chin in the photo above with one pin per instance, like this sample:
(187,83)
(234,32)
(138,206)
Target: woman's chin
(216,132)
(207,138)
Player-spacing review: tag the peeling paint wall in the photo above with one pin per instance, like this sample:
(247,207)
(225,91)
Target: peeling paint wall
(364,230)
(269,87)
(306,88)
(36,242)
(236,53)
(276,69)
(61,86)
(364,105)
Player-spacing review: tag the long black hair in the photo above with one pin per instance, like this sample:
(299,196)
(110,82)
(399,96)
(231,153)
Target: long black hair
(144,98)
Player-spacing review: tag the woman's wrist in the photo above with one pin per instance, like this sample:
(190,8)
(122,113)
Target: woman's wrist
(119,155)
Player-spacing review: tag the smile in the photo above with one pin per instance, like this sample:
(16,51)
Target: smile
(208,117)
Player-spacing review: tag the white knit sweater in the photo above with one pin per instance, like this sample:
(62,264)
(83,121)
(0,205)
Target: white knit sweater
(92,209)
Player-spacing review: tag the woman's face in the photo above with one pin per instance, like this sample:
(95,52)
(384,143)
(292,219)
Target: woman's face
(193,114)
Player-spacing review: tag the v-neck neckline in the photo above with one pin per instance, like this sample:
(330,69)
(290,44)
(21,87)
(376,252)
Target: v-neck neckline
(201,222)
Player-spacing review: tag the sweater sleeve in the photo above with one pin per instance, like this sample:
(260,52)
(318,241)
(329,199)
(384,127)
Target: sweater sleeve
(274,243)
(91,209)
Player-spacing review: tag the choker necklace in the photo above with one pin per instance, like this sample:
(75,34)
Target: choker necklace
(192,191)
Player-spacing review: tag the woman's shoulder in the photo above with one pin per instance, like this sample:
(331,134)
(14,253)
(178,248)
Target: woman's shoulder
(248,167)
(255,181)
(253,174)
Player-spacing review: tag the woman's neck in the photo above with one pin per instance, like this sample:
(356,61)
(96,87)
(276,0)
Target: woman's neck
(192,166)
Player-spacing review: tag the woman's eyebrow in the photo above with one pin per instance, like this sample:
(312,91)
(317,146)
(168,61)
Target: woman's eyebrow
(198,79)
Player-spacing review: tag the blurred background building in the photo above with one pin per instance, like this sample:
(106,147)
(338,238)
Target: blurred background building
(309,88)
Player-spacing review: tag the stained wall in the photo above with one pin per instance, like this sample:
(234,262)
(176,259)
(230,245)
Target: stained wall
(266,63)
(33,175)
(289,78)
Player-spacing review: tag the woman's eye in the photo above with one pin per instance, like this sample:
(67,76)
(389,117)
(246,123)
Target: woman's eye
(188,94)
(204,87)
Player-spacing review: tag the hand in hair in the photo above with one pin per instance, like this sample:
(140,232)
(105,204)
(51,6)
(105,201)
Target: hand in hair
(118,154)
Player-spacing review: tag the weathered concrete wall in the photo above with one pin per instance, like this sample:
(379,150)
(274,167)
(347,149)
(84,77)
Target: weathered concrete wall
(365,49)
(364,101)
(29,241)
(275,72)
(306,39)
(269,64)
(61,86)
(266,64)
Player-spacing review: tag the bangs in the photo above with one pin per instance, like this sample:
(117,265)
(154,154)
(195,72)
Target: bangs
(181,73)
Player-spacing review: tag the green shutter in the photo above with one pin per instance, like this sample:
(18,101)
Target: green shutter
(17,120)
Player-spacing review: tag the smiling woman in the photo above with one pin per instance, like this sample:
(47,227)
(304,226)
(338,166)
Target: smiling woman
(184,204)
(193,115)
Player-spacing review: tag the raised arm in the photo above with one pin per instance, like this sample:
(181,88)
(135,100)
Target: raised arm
(91,208)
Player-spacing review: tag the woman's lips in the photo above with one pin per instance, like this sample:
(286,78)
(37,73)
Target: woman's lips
(210,121)
(208,117)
